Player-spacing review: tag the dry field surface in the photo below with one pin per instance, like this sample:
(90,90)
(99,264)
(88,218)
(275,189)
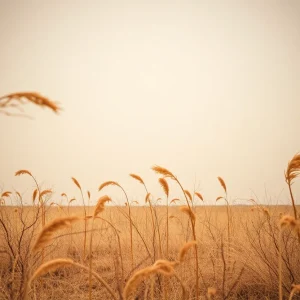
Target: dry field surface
(240,264)
(177,251)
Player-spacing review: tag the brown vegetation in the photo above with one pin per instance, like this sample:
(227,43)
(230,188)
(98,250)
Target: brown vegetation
(239,252)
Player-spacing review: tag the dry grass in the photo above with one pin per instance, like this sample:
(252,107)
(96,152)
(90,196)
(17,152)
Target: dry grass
(258,279)
(16,101)
(144,252)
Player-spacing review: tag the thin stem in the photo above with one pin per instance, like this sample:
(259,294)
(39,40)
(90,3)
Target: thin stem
(90,265)
(293,201)
(195,238)
(130,225)
(280,265)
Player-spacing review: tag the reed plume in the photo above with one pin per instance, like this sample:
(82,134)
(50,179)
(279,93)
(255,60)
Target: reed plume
(167,174)
(61,262)
(222,182)
(22,172)
(289,221)
(165,187)
(199,196)
(174,200)
(148,200)
(46,235)
(76,182)
(5,194)
(189,195)
(188,211)
(71,200)
(50,266)
(100,205)
(14,100)
(138,178)
(163,171)
(98,209)
(107,183)
(185,249)
(85,214)
(45,192)
(163,267)
(34,195)
(114,183)
(292,172)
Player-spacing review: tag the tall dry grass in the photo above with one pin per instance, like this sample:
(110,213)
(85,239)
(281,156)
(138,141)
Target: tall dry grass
(259,259)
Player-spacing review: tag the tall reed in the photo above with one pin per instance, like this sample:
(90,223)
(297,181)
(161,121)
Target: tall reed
(165,187)
(98,209)
(148,200)
(292,172)
(85,219)
(222,183)
(114,183)
(167,174)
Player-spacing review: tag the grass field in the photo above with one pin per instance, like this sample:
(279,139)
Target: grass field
(177,251)
(241,265)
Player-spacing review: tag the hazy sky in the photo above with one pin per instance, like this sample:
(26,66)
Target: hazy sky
(203,88)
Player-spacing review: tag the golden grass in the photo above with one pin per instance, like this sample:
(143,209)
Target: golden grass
(46,235)
(138,178)
(199,196)
(51,266)
(22,172)
(185,249)
(160,266)
(222,182)
(133,249)
(14,100)
(164,185)
(100,205)
(106,247)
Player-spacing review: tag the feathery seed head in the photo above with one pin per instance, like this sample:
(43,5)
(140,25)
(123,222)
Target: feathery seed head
(147,198)
(137,177)
(46,235)
(199,196)
(188,194)
(107,183)
(100,205)
(51,265)
(164,185)
(34,195)
(5,194)
(222,182)
(174,200)
(188,211)
(21,172)
(163,171)
(76,182)
(185,249)
(293,169)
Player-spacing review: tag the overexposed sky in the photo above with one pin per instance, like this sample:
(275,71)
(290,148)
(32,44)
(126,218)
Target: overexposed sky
(203,88)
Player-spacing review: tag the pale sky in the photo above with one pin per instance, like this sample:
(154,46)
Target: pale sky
(203,88)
